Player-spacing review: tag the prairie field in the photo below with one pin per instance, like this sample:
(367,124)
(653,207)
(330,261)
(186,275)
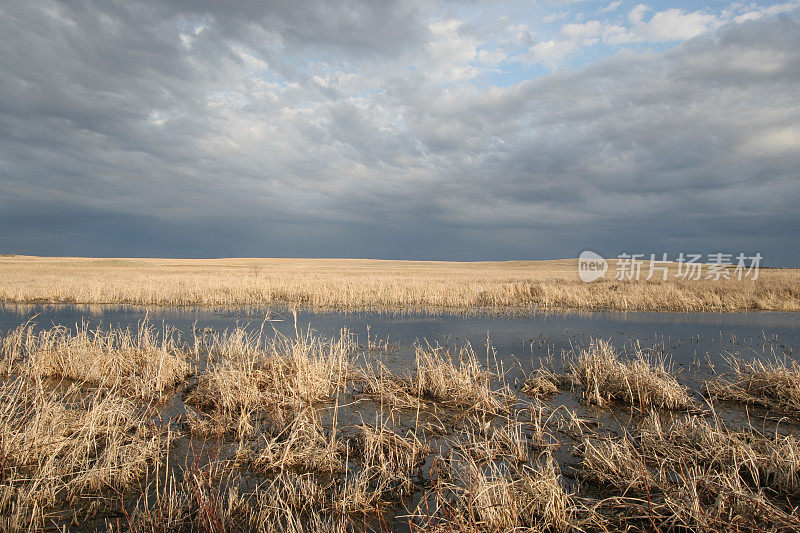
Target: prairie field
(140,429)
(360,284)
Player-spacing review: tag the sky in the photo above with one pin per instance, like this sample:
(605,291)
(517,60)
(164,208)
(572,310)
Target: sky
(422,129)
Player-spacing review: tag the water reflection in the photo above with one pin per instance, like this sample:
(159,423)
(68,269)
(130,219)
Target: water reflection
(687,337)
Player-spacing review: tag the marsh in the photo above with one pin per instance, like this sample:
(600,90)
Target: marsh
(277,419)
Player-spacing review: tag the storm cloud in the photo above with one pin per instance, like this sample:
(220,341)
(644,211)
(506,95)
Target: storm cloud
(398,129)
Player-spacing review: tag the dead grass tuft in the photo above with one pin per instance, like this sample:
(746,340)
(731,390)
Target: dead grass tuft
(494,497)
(250,380)
(143,363)
(59,447)
(387,389)
(541,384)
(390,458)
(301,447)
(697,475)
(640,382)
(772,384)
(464,385)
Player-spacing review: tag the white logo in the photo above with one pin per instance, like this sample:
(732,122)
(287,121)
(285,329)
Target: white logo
(591,266)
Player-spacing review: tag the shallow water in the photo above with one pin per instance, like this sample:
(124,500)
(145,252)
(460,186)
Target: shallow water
(689,339)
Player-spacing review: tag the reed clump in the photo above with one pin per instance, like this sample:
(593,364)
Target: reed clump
(772,384)
(698,475)
(204,498)
(251,379)
(516,439)
(640,381)
(542,383)
(214,498)
(143,363)
(472,496)
(386,388)
(62,448)
(290,497)
(302,447)
(459,381)
(390,458)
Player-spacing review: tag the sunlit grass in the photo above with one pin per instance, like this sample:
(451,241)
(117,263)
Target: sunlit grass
(356,284)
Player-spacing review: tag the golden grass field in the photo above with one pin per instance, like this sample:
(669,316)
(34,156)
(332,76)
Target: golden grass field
(363,284)
(133,430)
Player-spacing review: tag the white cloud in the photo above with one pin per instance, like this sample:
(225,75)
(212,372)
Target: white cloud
(667,26)
(675,25)
(613,6)
(450,52)
(585,33)
(763,11)
(636,15)
(550,53)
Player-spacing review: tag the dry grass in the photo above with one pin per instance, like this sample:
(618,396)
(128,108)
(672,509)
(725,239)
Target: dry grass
(145,362)
(509,442)
(287,455)
(65,448)
(774,384)
(302,447)
(274,380)
(390,456)
(464,384)
(388,389)
(456,380)
(543,383)
(641,382)
(698,475)
(355,284)
(470,496)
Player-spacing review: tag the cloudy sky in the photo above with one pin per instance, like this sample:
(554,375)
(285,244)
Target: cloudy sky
(415,129)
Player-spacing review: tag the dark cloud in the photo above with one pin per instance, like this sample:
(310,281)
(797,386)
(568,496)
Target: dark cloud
(352,129)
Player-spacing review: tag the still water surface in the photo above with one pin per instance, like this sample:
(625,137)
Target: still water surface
(688,339)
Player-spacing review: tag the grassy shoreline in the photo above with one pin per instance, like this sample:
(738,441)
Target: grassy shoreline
(360,284)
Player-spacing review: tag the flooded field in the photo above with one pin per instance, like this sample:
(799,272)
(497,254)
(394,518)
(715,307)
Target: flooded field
(158,419)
